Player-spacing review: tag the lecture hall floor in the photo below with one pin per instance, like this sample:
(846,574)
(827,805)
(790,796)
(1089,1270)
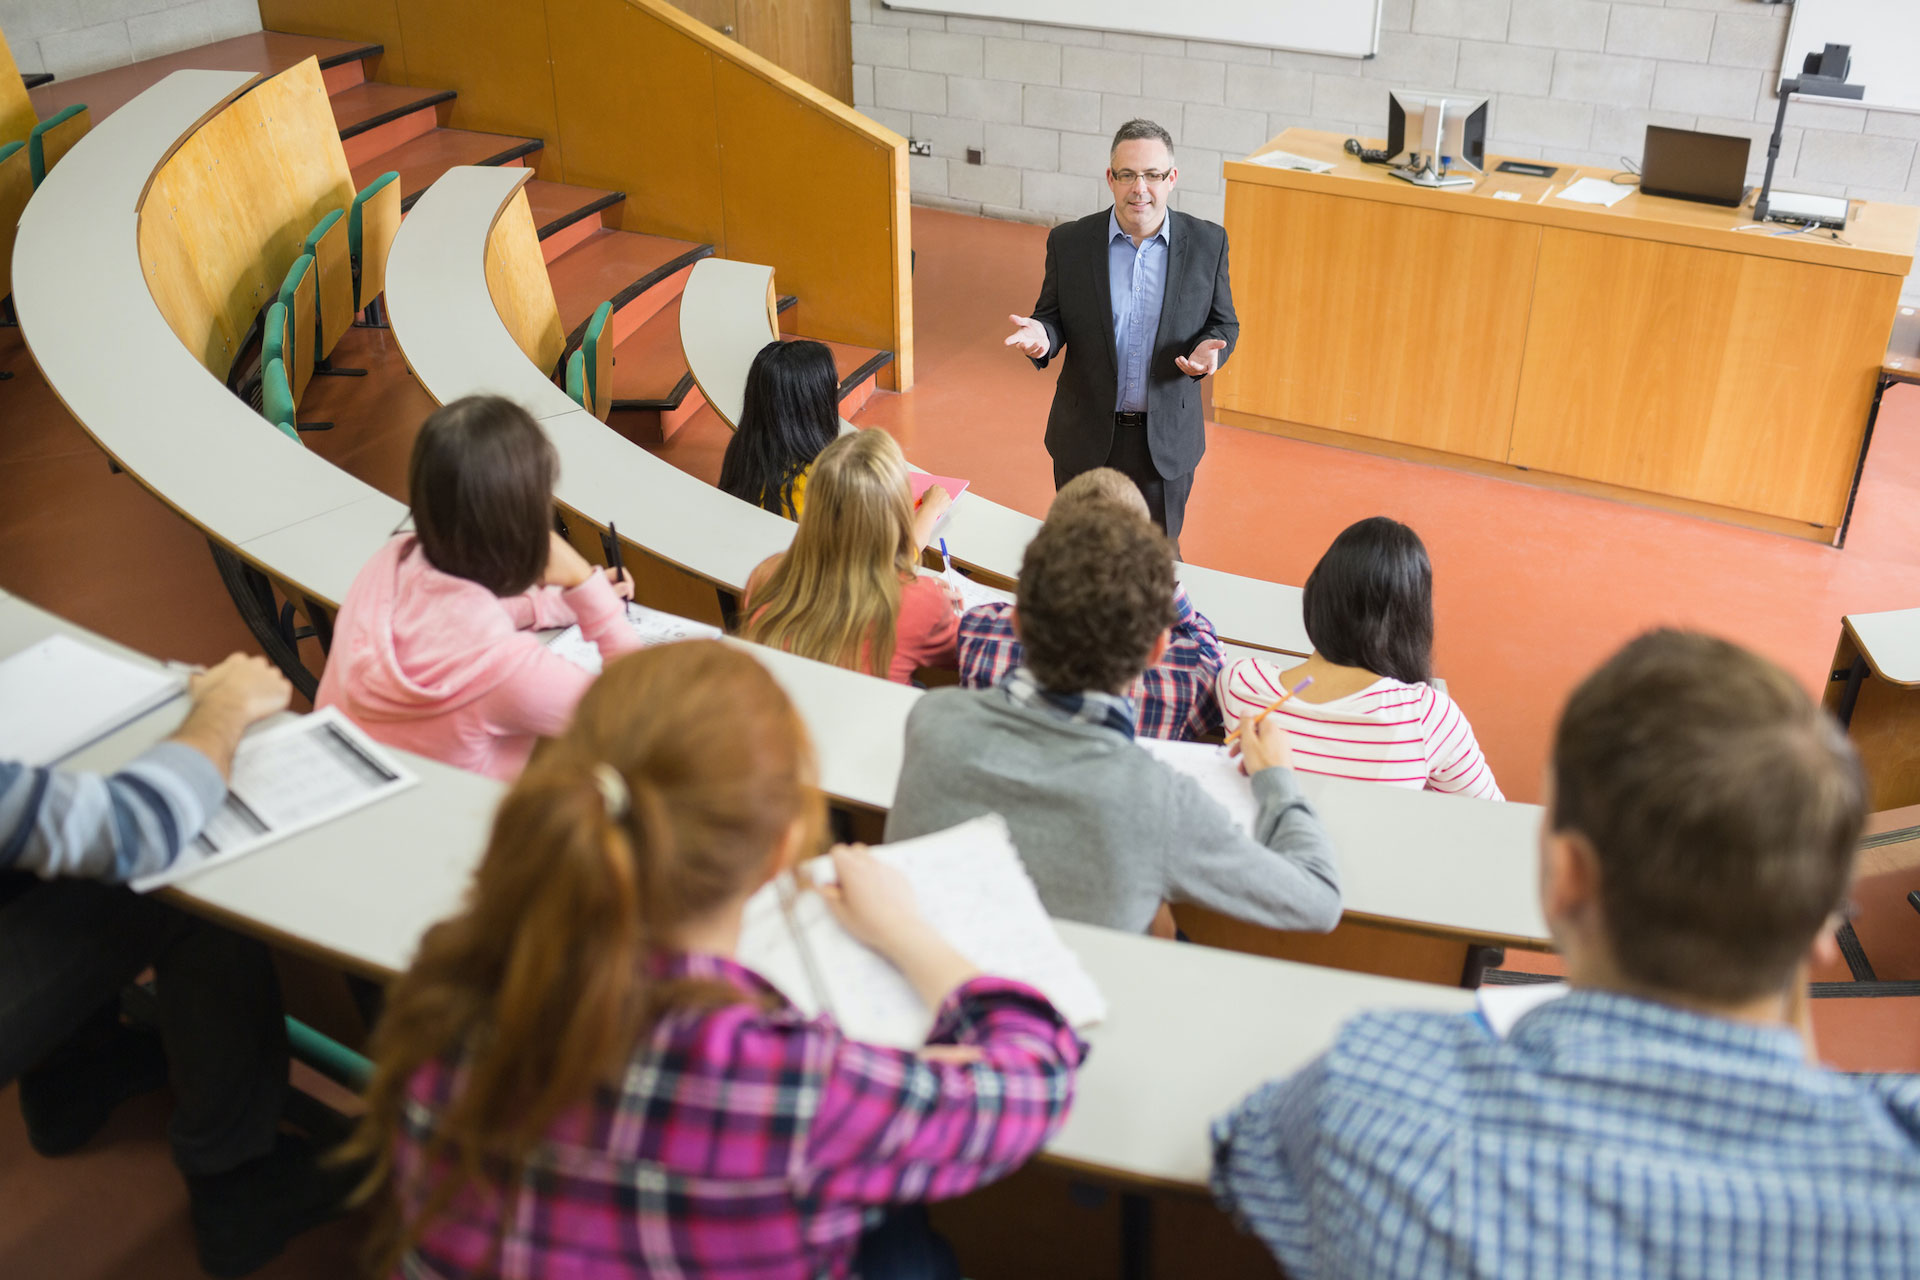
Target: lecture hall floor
(1533,587)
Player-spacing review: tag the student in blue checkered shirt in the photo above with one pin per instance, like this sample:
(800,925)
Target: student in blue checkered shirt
(1666,1117)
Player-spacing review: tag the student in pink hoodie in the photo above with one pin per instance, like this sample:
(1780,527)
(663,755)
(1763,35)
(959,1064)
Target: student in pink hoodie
(432,650)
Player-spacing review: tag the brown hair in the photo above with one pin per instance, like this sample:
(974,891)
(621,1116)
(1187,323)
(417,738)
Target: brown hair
(540,981)
(1102,484)
(1724,808)
(1137,131)
(1095,590)
(835,595)
(480,483)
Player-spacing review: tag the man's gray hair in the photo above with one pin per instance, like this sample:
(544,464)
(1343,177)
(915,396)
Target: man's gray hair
(1135,130)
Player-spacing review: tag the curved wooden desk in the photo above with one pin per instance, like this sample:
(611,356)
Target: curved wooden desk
(1177,1048)
(1873,687)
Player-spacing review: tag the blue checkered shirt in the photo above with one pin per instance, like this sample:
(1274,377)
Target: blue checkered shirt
(1606,1137)
(1175,696)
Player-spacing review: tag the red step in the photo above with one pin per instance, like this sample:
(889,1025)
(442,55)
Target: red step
(420,161)
(375,117)
(637,273)
(563,215)
(653,394)
(267,52)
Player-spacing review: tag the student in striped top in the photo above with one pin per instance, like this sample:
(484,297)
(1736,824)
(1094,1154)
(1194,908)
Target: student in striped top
(1372,711)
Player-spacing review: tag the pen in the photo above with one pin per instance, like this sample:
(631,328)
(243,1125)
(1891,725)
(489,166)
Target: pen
(613,553)
(1271,708)
(944,557)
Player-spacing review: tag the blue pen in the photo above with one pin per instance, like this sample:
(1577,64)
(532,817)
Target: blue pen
(944,557)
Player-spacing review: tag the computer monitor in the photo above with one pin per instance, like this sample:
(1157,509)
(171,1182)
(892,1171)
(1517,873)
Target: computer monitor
(1429,134)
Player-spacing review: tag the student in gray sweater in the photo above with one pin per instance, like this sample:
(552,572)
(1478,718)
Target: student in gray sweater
(1108,831)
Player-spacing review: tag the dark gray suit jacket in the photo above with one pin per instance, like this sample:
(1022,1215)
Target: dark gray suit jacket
(1076,309)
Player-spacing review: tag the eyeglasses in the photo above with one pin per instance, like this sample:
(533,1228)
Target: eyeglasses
(1154,177)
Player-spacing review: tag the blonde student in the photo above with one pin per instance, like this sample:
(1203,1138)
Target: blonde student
(848,591)
(577,1078)
(1372,711)
(432,650)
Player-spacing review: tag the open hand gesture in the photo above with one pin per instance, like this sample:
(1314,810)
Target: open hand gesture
(1204,360)
(1028,335)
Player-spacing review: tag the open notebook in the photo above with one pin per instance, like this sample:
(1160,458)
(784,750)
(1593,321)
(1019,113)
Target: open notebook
(972,594)
(972,889)
(1217,773)
(58,694)
(294,774)
(653,626)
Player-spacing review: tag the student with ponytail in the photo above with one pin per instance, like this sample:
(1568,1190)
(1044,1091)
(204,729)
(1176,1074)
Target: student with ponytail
(577,1078)
(848,591)
(431,650)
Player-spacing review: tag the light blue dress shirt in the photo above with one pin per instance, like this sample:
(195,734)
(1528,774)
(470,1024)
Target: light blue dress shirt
(1607,1138)
(1136,282)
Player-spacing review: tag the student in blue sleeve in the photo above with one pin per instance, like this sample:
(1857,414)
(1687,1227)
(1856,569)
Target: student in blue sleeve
(1666,1117)
(71,936)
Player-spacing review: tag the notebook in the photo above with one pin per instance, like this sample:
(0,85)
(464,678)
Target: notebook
(1501,1005)
(1217,773)
(921,481)
(59,694)
(653,626)
(287,778)
(972,594)
(973,890)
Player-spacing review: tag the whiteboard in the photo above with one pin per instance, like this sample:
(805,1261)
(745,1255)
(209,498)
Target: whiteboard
(1347,27)
(1885,35)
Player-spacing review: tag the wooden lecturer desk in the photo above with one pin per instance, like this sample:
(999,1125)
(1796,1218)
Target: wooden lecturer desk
(1647,351)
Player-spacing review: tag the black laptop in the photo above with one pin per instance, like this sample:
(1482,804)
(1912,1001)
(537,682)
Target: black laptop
(1689,165)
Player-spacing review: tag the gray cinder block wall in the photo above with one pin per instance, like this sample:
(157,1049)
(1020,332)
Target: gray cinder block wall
(78,37)
(1570,80)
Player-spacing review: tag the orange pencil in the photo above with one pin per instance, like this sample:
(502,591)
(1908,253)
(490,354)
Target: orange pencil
(1271,709)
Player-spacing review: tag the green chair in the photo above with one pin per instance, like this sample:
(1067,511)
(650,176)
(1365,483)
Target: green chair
(276,399)
(333,305)
(54,137)
(273,340)
(577,379)
(372,221)
(598,347)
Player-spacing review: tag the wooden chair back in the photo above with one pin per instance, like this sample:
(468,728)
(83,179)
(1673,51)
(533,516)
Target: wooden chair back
(374,222)
(17,116)
(521,290)
(333,288)
(297,296)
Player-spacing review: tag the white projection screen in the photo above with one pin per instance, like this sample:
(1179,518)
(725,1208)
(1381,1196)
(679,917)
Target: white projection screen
(1346,27)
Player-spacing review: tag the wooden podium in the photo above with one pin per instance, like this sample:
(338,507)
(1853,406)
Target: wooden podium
(1647,351)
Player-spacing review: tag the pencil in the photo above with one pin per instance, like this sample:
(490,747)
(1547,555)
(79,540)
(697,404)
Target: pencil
(1271,708)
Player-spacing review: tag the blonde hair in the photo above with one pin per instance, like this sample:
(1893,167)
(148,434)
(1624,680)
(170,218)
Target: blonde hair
(665,800)
(835,595)
(1102,484)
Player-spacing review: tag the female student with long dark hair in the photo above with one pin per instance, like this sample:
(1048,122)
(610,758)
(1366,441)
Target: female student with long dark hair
(577,1077)
(791,412)
(1371,711)
(847,591)
(431,650)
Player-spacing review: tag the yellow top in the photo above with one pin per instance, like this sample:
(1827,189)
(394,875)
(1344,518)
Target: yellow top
(799,494)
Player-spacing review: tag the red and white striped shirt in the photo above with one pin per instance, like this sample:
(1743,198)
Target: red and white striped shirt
(1406,735)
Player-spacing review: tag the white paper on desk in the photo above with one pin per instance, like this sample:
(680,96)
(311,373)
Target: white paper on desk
(1287,160)
(1594,191)
(286,778)
(653,626)
(972,594)
(59,694)
(1217,773)
(1502,1005)
(973,890)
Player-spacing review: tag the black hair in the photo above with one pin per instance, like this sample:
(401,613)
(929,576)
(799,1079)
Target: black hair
(791,412)
(1369,602)
(480,484)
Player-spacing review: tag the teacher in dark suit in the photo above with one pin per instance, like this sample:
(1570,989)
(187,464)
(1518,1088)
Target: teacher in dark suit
(1138,296)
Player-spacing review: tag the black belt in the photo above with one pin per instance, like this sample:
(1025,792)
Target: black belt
(1129,419)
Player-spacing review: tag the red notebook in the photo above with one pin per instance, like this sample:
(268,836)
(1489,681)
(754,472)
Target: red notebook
(921,481)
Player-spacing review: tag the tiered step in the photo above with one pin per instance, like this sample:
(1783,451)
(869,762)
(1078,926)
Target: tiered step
(563,215)
(859,369)
(375,117)
(342,62)
(421,160)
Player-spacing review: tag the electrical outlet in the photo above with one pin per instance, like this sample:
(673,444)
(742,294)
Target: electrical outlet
(919,147)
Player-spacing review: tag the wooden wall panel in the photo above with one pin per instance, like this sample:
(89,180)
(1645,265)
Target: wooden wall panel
(225,215)
(521,290)
(495,60)
(374,21)
(637,114)
(1382,320)
(813,39)
(1721,377)
(830,240)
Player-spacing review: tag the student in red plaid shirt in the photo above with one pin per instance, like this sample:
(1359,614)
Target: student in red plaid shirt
(576,1078)
(1175,697)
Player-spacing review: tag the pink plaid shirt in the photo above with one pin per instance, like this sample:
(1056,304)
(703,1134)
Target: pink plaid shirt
(748,1143)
